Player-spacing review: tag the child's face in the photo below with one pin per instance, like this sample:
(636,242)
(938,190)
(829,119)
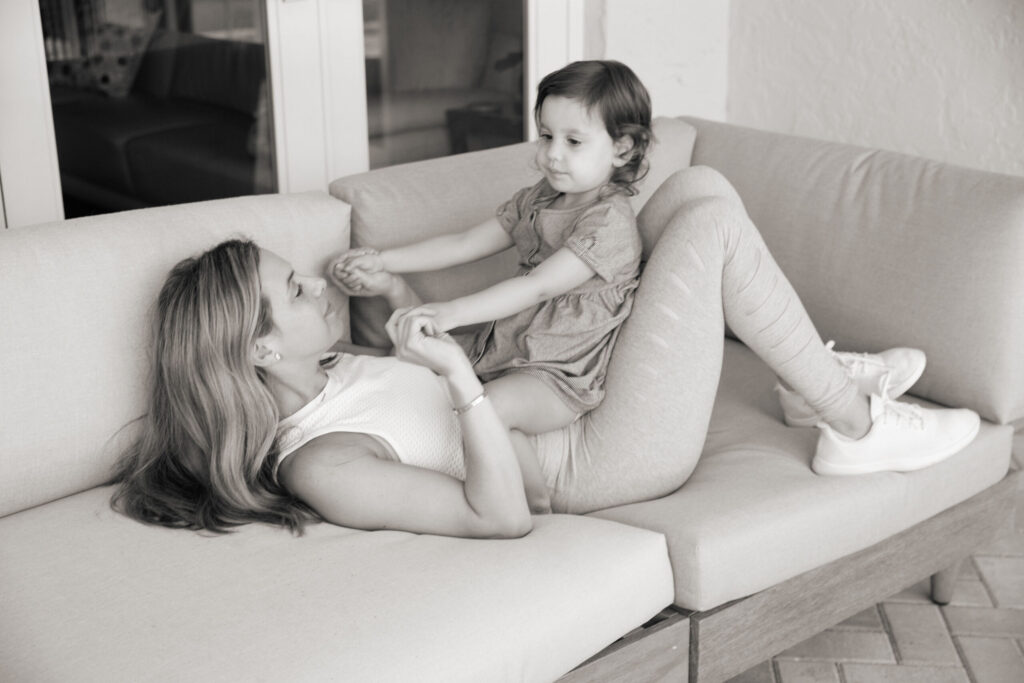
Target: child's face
(575,151)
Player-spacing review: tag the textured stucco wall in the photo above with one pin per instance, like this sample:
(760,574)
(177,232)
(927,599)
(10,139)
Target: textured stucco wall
(678,48)
(940,78)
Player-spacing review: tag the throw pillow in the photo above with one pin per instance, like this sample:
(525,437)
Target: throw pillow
(117,53)
(72,73)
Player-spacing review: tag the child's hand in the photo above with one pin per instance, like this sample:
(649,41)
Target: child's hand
(357,282)
(366,259)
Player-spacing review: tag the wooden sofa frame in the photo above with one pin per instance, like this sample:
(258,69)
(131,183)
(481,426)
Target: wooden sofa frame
(717,644)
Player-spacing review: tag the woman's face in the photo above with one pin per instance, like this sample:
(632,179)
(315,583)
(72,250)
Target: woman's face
(306,323)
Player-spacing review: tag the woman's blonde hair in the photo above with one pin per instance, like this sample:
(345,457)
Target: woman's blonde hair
(204,458)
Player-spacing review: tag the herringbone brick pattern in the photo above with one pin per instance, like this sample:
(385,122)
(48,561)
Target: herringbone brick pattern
(977,638)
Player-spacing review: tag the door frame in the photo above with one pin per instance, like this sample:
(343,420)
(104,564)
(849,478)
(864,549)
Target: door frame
(29,174)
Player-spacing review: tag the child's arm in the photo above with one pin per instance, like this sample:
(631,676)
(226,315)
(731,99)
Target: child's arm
(559,273)
(431,254)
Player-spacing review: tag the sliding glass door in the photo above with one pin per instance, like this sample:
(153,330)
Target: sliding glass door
(442,77)
(158,101)
(116,104)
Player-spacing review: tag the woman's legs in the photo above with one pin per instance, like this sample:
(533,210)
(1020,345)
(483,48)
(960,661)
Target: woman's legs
(709,266)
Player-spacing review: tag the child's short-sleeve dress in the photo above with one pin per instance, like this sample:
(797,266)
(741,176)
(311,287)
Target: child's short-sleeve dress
(565,341)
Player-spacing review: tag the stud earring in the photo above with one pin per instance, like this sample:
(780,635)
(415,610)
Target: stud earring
(277,356)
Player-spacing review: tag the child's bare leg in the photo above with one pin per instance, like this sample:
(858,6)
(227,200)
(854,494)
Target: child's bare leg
(526,403)
(528,406)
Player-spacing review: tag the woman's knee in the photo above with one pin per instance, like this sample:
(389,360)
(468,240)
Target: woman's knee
(704,223)
(683,186)
(687,191)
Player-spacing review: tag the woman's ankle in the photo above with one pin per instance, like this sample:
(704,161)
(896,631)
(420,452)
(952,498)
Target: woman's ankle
(855,420)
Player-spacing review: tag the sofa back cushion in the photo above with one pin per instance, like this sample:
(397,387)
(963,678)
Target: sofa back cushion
(224,73)
(75,305)
(402,204)
(892,250)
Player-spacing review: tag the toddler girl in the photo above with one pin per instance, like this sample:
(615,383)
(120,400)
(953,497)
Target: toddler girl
(550,331)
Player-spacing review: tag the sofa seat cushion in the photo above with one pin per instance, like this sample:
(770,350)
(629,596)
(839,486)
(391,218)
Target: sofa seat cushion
(92,131)
(89,595)
(207,161)
(754,514)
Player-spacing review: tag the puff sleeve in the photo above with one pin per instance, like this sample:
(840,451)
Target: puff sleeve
(511,212)
(606,238)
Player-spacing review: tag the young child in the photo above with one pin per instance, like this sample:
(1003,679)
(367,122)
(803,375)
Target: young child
(545,350)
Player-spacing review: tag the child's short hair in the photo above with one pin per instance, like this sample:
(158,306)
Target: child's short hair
(613,90)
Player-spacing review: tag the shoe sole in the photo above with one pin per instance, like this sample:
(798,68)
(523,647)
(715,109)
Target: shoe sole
(907,465)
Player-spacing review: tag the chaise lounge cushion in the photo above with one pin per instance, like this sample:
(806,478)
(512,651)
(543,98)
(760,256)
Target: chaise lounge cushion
(92,596)
(754,514)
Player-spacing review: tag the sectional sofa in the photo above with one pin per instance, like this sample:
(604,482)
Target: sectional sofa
(753,554)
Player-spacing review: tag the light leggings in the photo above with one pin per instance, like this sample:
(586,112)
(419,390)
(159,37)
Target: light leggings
(709,266)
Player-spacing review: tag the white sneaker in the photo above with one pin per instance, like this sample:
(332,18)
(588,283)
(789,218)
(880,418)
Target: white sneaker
(903,437)
(904,366)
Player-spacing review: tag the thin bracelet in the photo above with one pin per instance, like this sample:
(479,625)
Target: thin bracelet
(472,404)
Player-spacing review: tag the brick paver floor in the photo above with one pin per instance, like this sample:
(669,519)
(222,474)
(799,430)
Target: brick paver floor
(977,638)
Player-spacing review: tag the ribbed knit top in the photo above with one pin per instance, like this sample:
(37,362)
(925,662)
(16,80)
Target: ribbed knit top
(404,404)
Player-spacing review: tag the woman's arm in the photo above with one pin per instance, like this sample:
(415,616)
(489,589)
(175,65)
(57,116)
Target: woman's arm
(347,482)
(559,273)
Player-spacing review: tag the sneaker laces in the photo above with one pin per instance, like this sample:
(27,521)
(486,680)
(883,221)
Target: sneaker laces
(855,363)
(893,411)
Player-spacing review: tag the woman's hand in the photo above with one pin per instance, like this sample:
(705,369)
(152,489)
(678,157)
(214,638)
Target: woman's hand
(443,313)
(417,339)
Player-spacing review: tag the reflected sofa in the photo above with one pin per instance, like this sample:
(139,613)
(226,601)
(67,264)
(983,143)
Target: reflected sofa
(753,554)
(190,127)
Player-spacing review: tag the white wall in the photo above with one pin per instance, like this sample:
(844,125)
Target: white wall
(678,48)
(939,78)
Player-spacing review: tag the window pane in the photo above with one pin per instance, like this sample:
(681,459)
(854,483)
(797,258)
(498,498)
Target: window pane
(442,77)
(158,101)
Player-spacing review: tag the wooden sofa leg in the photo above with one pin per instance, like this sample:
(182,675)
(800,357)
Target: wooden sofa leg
(943,584)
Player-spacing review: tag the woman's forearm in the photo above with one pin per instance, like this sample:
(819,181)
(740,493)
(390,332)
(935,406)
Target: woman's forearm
(493,484)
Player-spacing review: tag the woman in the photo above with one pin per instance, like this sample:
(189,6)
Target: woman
(412,442)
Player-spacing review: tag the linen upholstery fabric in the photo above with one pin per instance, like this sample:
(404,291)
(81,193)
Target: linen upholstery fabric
(77,296)
(862,233)
(753,513)
(401,204)
(99,597)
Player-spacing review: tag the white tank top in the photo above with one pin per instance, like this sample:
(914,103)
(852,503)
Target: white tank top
(404,404)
